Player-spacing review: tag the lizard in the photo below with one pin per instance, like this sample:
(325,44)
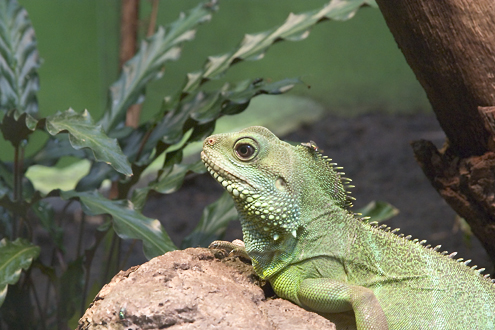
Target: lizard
(302,237)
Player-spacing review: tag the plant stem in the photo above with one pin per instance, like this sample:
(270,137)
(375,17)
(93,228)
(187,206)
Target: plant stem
(16,190)
(89,256)
(18,176)
(48,284)
(81,234)
(84,293)
(38,305)
(117,257)
(109,258)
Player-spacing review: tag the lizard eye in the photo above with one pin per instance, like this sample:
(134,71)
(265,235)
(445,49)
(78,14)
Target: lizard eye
(246,149)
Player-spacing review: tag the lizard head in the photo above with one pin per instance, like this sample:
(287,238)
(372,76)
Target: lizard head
(271,180)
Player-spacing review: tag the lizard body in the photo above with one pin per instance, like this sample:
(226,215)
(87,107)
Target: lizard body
(302,238)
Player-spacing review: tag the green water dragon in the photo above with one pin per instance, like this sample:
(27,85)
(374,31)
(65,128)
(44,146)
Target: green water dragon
(302,237)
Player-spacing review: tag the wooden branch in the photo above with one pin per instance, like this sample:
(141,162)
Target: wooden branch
(488,118)
(467,185)
(128,30)
(128,46)
(450,46)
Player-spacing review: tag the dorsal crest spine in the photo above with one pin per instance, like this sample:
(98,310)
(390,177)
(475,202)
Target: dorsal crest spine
(333,169)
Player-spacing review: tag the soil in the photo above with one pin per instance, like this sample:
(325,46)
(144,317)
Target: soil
(375,153)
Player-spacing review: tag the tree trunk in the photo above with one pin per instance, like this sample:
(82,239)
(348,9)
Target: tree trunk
(450,46)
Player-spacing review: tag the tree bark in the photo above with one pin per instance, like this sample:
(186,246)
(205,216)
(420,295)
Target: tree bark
(450,46)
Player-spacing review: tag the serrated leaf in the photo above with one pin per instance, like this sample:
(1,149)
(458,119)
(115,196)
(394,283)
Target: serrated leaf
(254,46)
(127,222)
(213,223)
(83,133)
(379,211)
(234,99)
(203,107)
(19,60)
(200,132)
(169,181)
(148,63)
(207,107)
(14,257)
(170,128)
(131,146)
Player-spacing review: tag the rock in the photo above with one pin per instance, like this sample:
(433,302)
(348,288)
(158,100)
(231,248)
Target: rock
(192,289)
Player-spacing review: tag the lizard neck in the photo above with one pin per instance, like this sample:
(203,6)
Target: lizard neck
(273,248)
(270,250)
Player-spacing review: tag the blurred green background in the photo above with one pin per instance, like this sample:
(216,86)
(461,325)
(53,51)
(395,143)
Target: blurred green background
(351,67)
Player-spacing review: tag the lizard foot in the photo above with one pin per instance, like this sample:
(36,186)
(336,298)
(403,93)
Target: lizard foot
(229,249)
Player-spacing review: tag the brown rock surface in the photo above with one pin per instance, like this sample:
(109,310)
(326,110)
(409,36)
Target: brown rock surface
(192,289)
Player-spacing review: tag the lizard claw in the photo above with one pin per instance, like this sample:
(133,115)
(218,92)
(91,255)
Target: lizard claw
(230,249)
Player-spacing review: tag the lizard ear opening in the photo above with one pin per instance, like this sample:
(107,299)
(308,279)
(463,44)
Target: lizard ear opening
(245,149)
(280,184)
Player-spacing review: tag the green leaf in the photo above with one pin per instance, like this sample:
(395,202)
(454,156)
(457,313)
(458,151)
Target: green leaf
(131,145)
(6,179)
(16,126)
(254,46)
(14,257)
(7,186)
(234,99)
(168,182)
(84,134)
(22,205)
(379,211)
(170,128)
(56,147)
(97,173)
(213,223)
(207,107)
(19,207)
(45,213)
(148,63)
(6,223)
(127,222)
(19,60)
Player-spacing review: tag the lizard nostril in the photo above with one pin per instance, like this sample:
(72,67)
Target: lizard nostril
(211,141)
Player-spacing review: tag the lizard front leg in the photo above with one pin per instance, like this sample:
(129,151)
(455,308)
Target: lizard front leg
(325,295)
(233,249)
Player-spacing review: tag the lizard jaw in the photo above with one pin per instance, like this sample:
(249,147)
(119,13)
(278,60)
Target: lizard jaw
(232,183)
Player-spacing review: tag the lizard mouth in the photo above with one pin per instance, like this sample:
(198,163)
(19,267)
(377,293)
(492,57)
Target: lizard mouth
(232,183)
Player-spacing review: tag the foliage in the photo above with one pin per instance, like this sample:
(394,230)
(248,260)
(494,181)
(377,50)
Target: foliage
(118,153)
(15,256)
(379,211)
